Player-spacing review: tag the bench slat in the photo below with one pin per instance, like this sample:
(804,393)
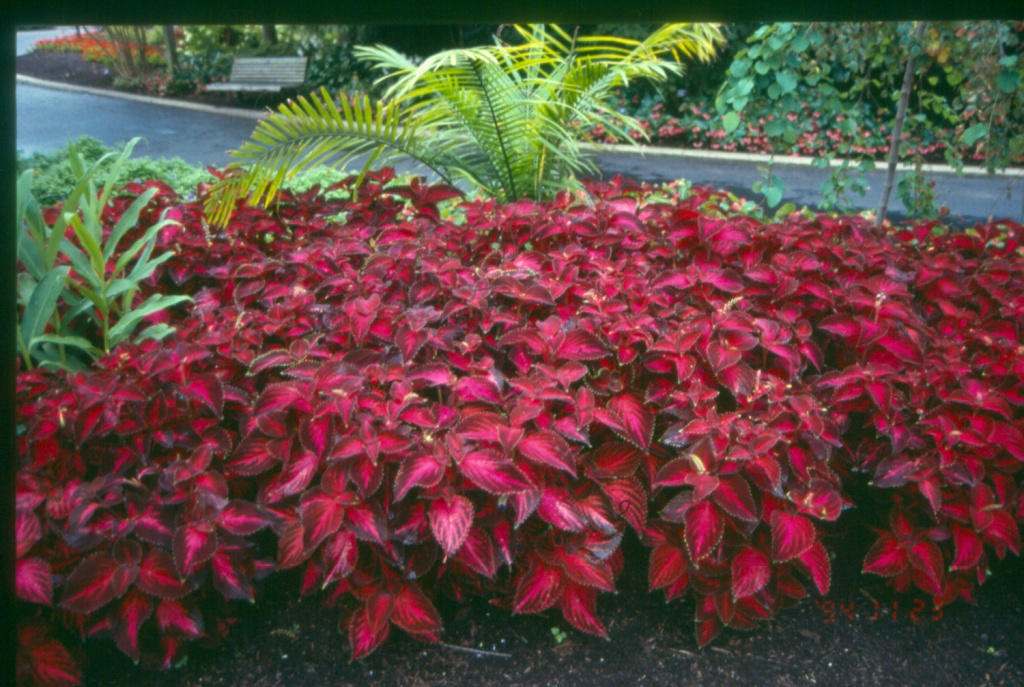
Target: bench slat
(263,74)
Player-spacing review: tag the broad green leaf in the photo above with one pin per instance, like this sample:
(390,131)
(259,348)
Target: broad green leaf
(974,133)
(73,341)
(776,127)
(786,80)
(42,303)
(731,121)
(1007,81)
(155,303)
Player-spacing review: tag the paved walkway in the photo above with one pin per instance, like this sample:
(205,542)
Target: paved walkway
(49,115)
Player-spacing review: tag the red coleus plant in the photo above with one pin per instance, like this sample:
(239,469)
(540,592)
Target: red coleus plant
(413,404)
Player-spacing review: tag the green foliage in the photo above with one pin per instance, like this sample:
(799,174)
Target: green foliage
(505,119)
(54,179)
(99,284)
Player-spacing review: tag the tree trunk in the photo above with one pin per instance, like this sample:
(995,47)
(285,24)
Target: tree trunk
(269,34)
(170,50)
(897,132)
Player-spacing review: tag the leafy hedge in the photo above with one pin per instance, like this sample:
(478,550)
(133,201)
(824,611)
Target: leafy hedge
(404,396)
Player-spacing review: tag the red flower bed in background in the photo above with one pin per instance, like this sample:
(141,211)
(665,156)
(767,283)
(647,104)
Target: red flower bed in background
(404,405)
(93,47)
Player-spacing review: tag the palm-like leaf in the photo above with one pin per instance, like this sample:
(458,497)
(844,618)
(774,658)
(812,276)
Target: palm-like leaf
(505,118)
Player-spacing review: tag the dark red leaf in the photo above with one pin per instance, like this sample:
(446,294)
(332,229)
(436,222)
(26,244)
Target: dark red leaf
(704,529)
(420,470)
(50,665)
(133,611)
(493,472)
(792,534)
(175,619)
(668,564)
(242,517)
(547,448)
(230,577)
(734,497)
(815,560)
(413,611)
(579,608)
(158,576)
(193,546)
(33,581)
(450,522)
(362,635)
(558,508)
(751,571)
(91,585)
(629,501)
(539,589)
(886,557)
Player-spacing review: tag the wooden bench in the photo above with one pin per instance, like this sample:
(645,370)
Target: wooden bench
(263,74)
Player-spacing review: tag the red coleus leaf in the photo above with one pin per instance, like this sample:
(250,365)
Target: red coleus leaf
(339,555)
(413,611)
(792,534)
(580,344)
(479,554)
(704,528)
(584,568)
(629,501)
(493,472)
(27,531)
(558,508)
(176,619)
(733,495)
(579,608)
(450,522)
(668,564)
(49,664)
(815,560)
(193,545)
(926,558)
(420,470)
(614,458)
(97,581)
(132,612)
(967,546)
(242,517)
(547,448)
(33,581)
(707,630)
(627,417)
(538,589)
(886,557)
(363,636)
(321,516)
(1002,532)
(209,390)
(231,576)
(751,571)
(158,576)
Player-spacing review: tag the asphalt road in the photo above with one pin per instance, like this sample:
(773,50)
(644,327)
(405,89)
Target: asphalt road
(48,118)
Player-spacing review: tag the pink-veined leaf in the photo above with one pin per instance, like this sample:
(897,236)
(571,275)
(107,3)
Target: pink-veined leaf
(792,534)
(886,557)
(321,516)
(175,618)
(91,585)
(209,390)
(414,612)
(815,560)
(242,517)
(33,581)
(627,417)
(704,528)
(967,547)
(420,470)
(363,638)
(707,630)
(733,495)
(132,612)
(751,571)
(192,546)
(479,554)
(27,531)
(159,577)
(667,565)
(450,522)
(230,577)
(926,557)
(557,508)
(50,664)
(579,608)
(547,448)
(339,553)
(579,344)
(616,458)
(493,472)
(538,589)
(629,501)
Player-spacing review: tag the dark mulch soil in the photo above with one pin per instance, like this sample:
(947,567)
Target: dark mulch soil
(863,634)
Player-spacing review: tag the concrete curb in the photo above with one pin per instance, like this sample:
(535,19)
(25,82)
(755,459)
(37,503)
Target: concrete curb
(722,156)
